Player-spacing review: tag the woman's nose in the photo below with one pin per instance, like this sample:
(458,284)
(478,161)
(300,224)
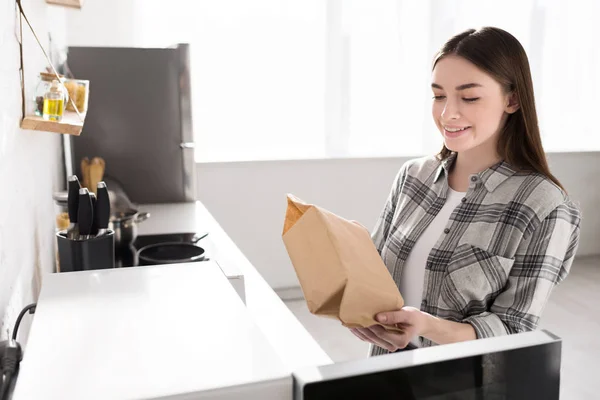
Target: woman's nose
(450,111)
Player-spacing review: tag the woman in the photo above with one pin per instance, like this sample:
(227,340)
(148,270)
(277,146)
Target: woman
(477,236)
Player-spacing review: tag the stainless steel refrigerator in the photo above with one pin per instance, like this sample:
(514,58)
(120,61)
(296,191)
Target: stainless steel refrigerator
(139,120)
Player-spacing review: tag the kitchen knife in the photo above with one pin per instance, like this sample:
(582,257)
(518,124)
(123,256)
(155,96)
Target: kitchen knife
(94,229)
(73,187)
(102,210)
(85,214)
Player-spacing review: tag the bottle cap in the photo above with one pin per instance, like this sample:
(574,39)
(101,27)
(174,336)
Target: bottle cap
(55,87)
(48,77)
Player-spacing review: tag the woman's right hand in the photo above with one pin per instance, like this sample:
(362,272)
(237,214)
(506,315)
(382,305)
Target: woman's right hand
(367,335)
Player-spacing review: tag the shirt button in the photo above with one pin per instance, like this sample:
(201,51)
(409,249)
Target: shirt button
(446,230)
(463,199)
(474,179)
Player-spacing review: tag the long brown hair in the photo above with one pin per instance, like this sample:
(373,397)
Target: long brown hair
(500,54)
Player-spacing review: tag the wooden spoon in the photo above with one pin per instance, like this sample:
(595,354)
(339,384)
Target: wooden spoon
(85,172)
(97,167)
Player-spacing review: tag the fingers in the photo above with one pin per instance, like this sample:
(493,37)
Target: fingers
(381,337)
(398,339)
(375,339)
(359,335)
(393,317)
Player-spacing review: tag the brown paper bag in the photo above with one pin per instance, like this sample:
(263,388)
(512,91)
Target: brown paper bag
(339,269)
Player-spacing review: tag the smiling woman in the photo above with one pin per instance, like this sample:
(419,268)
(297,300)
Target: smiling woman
(477,236)
(503,87)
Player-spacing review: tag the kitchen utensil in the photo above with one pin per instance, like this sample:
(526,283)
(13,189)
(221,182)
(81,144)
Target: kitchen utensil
(85,172)
(85,214)
(124,224)
(102,210)
(197,238)
(170,253)
(81,255)
(96,172)
(73,206)
(94,229)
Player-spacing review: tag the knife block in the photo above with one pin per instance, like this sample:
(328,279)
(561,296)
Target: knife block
(83,255)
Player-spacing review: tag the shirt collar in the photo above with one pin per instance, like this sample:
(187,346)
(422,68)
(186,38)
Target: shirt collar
(491,177)
(445,166)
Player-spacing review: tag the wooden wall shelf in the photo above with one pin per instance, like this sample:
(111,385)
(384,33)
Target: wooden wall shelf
(67,3)
(70,124)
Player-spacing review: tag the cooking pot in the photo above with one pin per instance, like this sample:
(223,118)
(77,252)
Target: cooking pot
(170,253)
(124,224)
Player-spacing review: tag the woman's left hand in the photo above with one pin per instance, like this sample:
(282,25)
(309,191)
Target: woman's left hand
(412,322)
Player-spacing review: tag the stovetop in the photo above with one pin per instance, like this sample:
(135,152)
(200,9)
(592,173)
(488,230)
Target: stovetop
(126,257)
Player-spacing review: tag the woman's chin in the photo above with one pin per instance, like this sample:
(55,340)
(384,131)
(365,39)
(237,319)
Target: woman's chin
(458,144)
(452,145)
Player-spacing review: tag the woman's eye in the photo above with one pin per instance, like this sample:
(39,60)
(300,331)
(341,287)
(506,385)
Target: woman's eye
(471,100)
(439,97)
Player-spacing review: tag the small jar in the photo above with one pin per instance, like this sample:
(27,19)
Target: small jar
(79,92)
(61,209)
(44,83)
(54,102)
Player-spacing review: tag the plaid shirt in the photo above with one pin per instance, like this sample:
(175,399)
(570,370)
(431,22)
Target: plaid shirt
(508,243)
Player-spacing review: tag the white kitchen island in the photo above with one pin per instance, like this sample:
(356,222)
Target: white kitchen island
(177,331)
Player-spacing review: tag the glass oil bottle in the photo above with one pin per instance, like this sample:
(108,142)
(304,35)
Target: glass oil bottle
(54,102)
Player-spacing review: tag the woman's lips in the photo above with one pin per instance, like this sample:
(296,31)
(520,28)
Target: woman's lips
(454,135)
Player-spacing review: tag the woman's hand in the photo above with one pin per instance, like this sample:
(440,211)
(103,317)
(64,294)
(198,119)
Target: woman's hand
(412,321)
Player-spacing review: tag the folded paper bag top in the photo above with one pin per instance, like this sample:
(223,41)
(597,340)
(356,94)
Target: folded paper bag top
(340,271)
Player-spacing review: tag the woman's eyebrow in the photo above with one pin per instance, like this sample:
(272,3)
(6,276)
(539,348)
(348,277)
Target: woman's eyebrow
(460,87)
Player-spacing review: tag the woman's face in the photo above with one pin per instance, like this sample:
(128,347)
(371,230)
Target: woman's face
(469,106)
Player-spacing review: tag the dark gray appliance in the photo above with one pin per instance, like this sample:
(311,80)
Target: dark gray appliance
(520,366)
(139,120)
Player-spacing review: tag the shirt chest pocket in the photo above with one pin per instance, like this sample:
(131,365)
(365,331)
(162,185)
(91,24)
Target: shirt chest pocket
(473,279)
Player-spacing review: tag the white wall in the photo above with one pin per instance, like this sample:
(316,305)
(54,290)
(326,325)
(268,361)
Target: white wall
(103,23)
(29,168)
(248,199)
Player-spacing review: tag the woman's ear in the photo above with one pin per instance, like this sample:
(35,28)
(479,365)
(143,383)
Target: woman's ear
(512,103)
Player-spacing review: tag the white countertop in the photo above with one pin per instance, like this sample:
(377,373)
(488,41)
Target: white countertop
(146,333)
(291,341)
